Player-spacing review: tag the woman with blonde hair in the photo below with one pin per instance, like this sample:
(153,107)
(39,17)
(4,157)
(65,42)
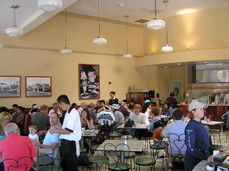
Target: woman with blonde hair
(5,118)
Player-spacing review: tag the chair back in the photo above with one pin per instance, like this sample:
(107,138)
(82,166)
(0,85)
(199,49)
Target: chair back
(112,150)
(177,144)
(24,163)
(27,122)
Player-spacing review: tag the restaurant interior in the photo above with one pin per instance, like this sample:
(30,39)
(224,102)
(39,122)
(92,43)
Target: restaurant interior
(116,36)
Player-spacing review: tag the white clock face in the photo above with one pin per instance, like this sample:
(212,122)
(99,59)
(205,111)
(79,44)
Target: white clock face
(223,75)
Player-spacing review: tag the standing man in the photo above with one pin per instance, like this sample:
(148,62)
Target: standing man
(70,135)
(172,101)
(113,99)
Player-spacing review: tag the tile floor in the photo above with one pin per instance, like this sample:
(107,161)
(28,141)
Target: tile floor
(158,166)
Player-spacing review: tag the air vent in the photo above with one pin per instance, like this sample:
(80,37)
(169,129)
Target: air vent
(141,21)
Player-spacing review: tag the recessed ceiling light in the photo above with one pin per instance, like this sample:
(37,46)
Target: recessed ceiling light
(120,4)
(205,62)
(165,66)
(187,11)
(178,63)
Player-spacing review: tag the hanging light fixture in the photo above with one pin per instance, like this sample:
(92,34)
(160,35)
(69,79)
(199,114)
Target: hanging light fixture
(166,48)
(99,40)
(14,31)
(49,5)
(65,50)
(127,54)
(156,23)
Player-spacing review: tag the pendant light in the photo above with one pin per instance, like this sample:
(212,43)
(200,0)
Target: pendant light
(99,40)
(49,5)
(14,31)
(127,55)
(65,50)
(166,48)
(156,23)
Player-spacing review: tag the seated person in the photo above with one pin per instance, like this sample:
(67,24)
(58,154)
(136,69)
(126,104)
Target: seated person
(226,117)
(102,106)
(5,118)
(157,136)
(33,133)
(105,118)
(41,120)
(165,110)
(15,147)
(119,118)
(124,109)
(177,127)
(156,117)
(56,109)
(50,140)
(87,123)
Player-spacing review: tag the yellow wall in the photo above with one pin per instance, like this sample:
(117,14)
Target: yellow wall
(64,72)
(165,75)
(37,53)
(206,29)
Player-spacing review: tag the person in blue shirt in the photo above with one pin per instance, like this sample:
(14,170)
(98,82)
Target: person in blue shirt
(196,137)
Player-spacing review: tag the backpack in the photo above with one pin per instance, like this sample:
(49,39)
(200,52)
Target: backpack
(129,123)
(83,160)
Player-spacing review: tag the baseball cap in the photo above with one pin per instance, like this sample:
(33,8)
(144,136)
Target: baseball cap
(196,105)
(147,101)
(115,106)
(91,105)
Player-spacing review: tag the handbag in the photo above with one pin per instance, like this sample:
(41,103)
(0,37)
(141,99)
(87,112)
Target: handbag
(129,123)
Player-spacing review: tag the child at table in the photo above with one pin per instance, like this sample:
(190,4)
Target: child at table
(157,136)
(33,133)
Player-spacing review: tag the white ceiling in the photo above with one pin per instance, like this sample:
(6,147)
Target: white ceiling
(28,16)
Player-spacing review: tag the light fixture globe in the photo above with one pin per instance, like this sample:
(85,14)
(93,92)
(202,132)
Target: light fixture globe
(156,24)
(66,51)
(127,55)
(14,31)
(49,5)
(167,48)
(99,40)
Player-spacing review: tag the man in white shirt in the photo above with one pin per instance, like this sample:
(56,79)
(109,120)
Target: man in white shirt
(55,108)
(70,135)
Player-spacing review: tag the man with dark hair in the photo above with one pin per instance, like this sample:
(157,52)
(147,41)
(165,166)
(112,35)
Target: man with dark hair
(70,135)
(177,127)
(102,106)
(172,102)
(113,99)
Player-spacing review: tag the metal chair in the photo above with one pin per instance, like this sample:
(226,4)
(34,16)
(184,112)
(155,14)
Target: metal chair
(177,146)
(23,163)
(214,133)
(118,163)
(44,160)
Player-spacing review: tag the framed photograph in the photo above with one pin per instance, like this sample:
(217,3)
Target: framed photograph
(89,83)
(38,86)
(176,86)
(10,86)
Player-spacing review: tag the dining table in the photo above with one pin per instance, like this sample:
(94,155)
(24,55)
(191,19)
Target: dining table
(134,146)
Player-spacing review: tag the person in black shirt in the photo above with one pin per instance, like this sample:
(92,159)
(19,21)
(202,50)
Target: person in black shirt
(113,99)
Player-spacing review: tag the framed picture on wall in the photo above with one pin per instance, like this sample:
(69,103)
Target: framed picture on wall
(89,82)
(176,86)
(10,86)
(38,86)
